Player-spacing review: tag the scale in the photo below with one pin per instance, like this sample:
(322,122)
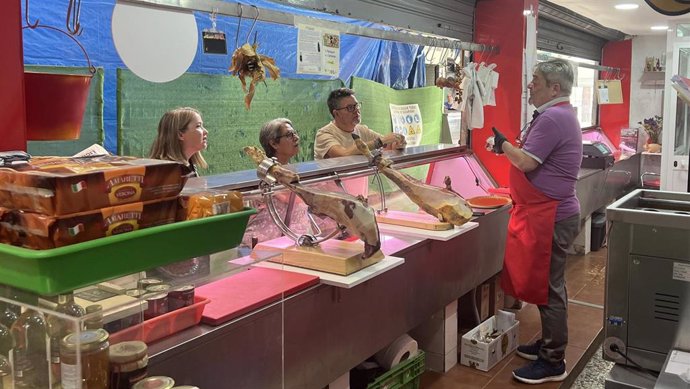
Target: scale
(596,155)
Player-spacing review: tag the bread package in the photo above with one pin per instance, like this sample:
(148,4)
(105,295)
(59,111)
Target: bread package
(209,202)
(66,185)
(38,231)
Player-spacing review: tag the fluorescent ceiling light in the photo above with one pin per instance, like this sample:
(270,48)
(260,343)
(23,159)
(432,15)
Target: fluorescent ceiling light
(627,6)
(659,28)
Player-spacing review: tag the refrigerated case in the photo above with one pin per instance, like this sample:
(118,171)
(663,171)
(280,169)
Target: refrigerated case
(311,335)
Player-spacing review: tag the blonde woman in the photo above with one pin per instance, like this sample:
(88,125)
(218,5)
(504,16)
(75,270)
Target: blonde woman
(181,137)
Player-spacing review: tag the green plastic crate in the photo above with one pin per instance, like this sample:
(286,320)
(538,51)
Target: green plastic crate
(53,271)
(406,375)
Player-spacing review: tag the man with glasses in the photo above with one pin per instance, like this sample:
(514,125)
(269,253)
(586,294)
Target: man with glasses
(335,139)
(546,215)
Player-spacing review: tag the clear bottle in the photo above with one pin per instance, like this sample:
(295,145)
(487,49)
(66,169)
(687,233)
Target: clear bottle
(6,341)
(59,327)
(6,378)
(94,317)
(7,315)
(29,353)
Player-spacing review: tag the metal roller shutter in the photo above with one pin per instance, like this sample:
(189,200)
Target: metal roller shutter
(451,18)
(560,30)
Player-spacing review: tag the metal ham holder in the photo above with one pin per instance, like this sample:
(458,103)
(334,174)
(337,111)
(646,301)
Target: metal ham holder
(267,187)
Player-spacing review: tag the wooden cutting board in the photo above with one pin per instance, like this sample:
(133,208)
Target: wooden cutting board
(332,256)
(413,219)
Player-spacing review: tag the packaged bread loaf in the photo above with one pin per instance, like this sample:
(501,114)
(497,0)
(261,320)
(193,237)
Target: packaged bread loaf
(209,202)
(38,231)
(66,185)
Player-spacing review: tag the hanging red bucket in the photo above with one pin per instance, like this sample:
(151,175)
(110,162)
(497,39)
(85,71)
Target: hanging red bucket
(55,103)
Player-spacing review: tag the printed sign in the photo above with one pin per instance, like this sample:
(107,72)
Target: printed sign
(407,121)
(318,50)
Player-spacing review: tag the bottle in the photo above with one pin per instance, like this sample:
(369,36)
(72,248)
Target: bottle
(6,378)
(94,317)
(7,315)
(59,327)
(6,341)
(29,353)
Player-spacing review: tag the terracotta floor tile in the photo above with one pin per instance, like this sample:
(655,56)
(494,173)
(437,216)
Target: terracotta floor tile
(585,278)
(584,324)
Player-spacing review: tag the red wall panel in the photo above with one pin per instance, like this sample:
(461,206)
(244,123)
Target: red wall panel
(501,23)
(614,117)
(12,112)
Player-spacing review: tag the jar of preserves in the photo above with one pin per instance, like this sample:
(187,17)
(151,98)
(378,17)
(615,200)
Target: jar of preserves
(92,346)
(128,364)
(155,382)
(180,297)
(157,304)
(146,282)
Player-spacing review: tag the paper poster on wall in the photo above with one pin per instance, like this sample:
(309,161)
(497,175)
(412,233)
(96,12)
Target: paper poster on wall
(455,125)
(407,121)
(609,92)
(318,50)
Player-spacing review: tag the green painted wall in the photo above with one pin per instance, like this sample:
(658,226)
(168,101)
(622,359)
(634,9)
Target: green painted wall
(221,102)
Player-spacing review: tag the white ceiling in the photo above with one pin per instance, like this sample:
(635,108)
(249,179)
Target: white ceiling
(631,22)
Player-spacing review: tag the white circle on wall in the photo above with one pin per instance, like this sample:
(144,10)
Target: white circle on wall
(156,44)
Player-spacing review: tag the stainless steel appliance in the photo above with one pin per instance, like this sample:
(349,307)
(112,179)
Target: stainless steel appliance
(596,155)
(647,305)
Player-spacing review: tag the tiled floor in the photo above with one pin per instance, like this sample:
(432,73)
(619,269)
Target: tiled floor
(585,282)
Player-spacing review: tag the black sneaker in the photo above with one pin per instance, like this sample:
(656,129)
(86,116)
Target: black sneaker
(541,371)
(530,351)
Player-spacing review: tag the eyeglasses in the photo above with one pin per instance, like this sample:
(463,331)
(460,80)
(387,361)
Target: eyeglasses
(290,135)
(351,107)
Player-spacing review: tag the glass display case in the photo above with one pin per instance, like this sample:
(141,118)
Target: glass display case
(59,334)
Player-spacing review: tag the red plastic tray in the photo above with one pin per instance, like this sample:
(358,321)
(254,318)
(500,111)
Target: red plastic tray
(164,325)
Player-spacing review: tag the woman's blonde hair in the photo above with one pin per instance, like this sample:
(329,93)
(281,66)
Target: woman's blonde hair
(167,144)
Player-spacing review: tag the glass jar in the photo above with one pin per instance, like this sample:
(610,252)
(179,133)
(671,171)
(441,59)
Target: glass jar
(157,305)
(180,297)
(155,382)
(95,363)
(128,363)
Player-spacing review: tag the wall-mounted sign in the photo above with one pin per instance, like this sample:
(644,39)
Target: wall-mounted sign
(407,121)
(318,50)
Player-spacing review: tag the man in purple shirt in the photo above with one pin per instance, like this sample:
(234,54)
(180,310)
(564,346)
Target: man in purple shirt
(546,215)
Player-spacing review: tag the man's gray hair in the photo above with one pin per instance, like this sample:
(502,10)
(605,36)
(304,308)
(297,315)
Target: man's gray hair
(557,71)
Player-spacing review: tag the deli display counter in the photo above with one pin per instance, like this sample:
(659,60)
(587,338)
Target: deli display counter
(257,327)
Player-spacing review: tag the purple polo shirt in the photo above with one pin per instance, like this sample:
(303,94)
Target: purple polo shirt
(554,139)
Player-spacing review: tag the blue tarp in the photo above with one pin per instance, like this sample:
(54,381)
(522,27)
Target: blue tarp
(398,65)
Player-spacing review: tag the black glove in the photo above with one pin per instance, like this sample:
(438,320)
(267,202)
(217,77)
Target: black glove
(498,141)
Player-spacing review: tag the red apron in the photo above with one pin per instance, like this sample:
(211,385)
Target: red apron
(527,259)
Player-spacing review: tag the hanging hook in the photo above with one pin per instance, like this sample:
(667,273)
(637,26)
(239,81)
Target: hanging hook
(213,16)
(73,10)
(253,24)
(239,23)
(26,16)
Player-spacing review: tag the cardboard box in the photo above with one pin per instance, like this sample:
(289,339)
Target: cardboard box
(62,185)
(485,355)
